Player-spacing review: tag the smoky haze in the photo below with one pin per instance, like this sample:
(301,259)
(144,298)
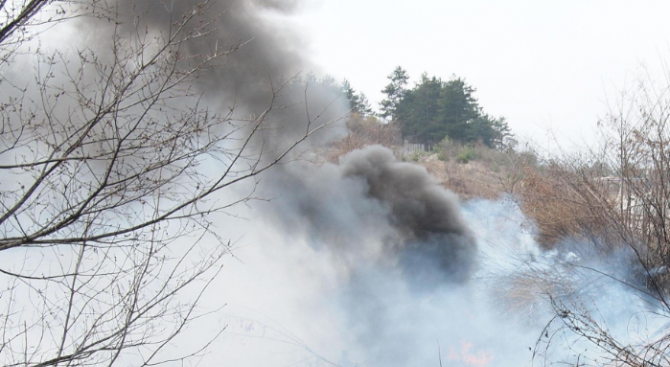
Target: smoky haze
(376,245)
(391,257)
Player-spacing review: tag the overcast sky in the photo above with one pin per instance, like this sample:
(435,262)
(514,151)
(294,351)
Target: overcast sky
(542,64)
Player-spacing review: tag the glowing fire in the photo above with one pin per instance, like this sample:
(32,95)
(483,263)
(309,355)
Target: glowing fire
(468,356)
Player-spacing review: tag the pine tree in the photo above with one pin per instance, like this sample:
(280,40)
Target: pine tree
(358,102)
(435,109)
(395,92)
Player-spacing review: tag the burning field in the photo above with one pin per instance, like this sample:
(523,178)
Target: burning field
(372,263)
(173,157)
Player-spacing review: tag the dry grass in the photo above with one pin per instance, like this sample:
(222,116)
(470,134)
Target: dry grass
(563,200)
(562,206)
(470,181)
(364,131)
(470,171)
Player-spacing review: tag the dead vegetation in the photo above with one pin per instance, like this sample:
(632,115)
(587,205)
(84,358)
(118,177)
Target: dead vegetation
(611,201)
(364,131)
(472,171)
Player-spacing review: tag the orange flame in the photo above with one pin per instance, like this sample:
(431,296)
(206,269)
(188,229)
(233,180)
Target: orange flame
(470,358)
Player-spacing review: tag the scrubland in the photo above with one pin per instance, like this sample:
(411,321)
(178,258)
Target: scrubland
(610,202)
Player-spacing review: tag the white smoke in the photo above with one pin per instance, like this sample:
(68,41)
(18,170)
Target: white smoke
(318,284)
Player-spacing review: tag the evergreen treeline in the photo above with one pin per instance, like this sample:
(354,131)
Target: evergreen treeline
(435,109)
(430,111)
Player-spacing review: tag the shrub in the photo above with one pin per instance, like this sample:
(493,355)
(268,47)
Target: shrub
(466,155)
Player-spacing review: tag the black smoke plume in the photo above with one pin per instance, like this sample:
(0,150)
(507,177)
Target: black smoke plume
(371,206)
(264,64)
(392,230)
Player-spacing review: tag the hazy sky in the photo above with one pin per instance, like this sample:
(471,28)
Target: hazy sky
(541,64)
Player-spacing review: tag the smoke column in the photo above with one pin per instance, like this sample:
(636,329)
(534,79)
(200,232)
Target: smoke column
(387,210)
(403,253)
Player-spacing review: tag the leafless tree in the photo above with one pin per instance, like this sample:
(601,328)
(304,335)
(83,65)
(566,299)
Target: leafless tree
(618,199)
(109,166)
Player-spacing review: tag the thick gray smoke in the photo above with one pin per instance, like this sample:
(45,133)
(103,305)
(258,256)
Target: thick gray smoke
(268,52)
(261,66)
(372,206)
(426,216)
(390,228)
